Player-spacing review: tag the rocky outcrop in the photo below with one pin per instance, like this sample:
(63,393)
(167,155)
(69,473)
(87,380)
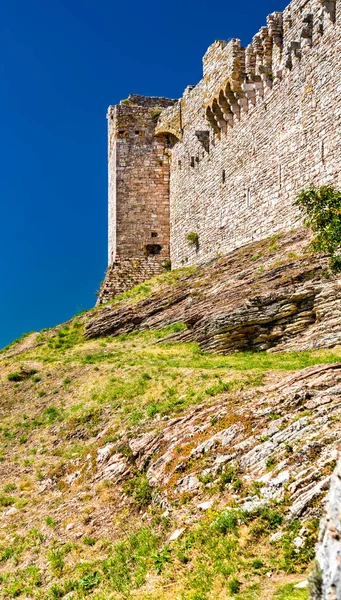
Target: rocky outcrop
(278,440)
(326,581)
(272,295)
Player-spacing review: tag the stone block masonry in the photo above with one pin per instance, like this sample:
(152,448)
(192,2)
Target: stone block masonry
(139,174)
(263,123)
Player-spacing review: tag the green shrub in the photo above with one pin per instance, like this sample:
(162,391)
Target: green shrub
(21,375)
(6,500)
(234,586)
(55,592)
(160,558)
(55,558)
(155,113)
(228,475)
(270,462)
(321,208)
(257,563)
(50,414)
(89,541)
(138,487)
(10,487)
(89,581)
(237,485)
(193,239)
(226,522)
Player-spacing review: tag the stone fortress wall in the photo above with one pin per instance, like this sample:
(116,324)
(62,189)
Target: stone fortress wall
(263,123)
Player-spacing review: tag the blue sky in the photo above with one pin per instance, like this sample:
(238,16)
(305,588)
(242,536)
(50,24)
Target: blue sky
(62,63)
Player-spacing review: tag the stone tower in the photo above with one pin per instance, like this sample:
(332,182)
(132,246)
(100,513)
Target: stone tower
(138,169)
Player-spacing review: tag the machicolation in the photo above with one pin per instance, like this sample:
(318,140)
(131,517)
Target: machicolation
(225,162)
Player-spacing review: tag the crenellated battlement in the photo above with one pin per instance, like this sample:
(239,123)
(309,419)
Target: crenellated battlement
(236,78)
(263,122)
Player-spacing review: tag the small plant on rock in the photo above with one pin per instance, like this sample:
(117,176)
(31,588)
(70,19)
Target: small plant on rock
(155,113)
(321,208)
(193,239)
(21,375)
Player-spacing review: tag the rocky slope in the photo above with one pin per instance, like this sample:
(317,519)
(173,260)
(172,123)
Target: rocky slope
(269,295)
(137,460)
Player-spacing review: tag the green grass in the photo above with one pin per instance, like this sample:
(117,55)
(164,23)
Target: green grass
(288,592)
(225,553)
(122,382)
(145,290)
(138,487)
(149,378)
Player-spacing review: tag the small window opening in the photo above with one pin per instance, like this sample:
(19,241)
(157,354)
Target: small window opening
(224,176)
(154,234)
(197,159)
(152,249)
(121,132)
(137,132)
(192,161)
(179,164)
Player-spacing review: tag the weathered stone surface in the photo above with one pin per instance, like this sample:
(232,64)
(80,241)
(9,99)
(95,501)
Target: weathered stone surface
(293,459)
(329,551)
(138,195)
(270,113)
(277,303)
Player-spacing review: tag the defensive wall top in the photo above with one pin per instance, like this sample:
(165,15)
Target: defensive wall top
(234,77)
(138,101)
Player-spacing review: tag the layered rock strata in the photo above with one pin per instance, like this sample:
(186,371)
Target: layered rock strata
(273,295)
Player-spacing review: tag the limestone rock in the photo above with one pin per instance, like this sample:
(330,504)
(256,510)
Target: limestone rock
(329,550)
(177,533)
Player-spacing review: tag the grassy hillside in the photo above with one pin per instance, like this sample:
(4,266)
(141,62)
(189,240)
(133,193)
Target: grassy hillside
(59,402)
(80,514)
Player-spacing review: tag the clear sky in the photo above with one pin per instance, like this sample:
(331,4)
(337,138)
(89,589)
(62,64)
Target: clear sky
(62,63)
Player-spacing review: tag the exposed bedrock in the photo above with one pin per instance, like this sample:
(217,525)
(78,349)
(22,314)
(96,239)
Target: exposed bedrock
(326,581)
(283,436)
(272,295)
